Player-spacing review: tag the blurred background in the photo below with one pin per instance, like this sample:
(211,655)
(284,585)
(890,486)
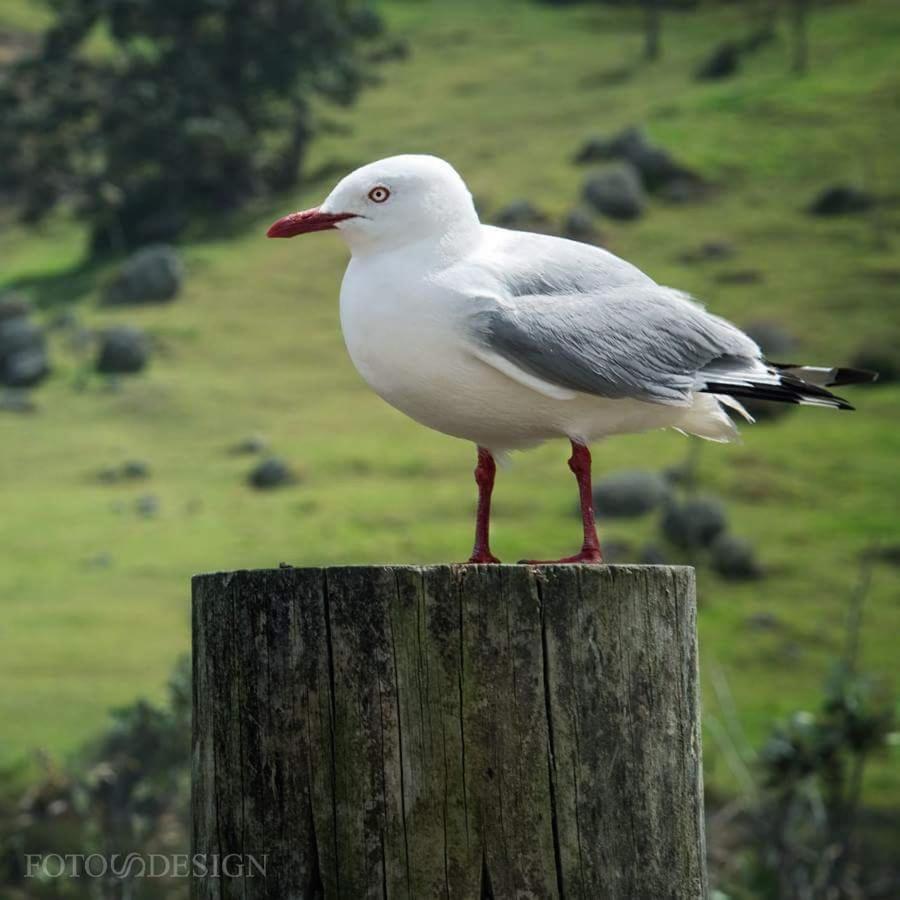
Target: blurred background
(175,396)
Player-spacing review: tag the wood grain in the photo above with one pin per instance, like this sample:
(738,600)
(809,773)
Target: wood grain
(448,732)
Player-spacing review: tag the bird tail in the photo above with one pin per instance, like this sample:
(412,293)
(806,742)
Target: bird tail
(782,382)
(825,377)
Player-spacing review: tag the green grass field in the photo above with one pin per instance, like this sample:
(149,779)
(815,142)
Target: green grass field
(95,598)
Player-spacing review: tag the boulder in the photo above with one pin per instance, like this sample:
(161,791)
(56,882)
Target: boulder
(709,251)
(13,306)
(271,473)
(17,401)
(763,621)
(135,469)
(23,348)
(65,321)
(722,62)
(840,200)
(365,22)
(151,275)
(881,355)
(393,50)
(695,523)
(130,470)
(254,443)
(655,165)
(733,558)
(775,341)
(653,555)
(629,493)
(521,214)
(147,506)
(616,192)
(684,189)
(578,225)
(122,350)
(886,553)
(596,149)
(740,276)
(617,551)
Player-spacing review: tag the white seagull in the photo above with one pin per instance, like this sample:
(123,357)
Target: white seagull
(507,338)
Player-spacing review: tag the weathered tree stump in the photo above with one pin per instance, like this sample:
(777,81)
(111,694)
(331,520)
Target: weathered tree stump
(458,732)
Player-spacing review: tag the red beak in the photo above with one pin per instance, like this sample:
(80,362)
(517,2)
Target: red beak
(306,221)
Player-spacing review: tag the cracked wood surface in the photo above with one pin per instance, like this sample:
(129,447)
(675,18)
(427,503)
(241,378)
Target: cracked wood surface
(449,732)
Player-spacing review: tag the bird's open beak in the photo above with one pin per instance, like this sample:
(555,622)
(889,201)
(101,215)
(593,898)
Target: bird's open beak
(306,221)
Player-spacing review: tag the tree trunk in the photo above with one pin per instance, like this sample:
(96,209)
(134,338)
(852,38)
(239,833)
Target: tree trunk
(799,10)
(652,28)
(453,732)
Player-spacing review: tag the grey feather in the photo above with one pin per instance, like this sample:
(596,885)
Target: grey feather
(635,340)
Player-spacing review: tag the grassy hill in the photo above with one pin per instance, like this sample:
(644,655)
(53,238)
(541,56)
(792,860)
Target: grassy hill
(95,604)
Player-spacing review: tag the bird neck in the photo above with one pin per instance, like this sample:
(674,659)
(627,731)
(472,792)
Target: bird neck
(431,248)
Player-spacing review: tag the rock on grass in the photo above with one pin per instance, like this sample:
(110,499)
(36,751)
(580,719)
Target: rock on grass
(722,62)
(657,168)
(734,558)
(122,350)
(578,225)
(695,523)
(521,214)
(632,492)
(152,275)
(23,348)
(271,473)
(881,355)
(841,200)
(708,251)
(616,192)
(775,341)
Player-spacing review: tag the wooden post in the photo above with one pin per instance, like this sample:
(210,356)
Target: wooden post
(448,732)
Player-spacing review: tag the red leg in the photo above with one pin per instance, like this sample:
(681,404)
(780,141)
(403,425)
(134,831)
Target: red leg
(580,464)
(484,478)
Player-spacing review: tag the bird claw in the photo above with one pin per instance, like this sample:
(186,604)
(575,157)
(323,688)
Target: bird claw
(482,558)
(588,557)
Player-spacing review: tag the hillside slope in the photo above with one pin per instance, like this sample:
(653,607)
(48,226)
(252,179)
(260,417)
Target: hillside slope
(95,595)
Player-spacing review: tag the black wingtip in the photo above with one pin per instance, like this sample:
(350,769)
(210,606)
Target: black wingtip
(853,376)
(790,390)
(832,377)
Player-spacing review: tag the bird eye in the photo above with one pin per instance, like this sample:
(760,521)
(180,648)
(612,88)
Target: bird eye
(379,194)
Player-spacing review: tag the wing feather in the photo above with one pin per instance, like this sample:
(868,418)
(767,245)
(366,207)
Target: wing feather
(640,341)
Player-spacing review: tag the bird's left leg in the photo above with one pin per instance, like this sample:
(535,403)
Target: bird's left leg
(485,471)
(580,464)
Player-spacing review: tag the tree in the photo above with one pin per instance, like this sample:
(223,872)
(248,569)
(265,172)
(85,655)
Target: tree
(193,107)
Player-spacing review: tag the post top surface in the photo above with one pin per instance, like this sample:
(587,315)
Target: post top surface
(622,569)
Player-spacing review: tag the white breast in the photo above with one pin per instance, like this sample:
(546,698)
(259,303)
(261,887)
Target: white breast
(399,342)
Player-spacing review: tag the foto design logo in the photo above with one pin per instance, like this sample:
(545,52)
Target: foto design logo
(125,866)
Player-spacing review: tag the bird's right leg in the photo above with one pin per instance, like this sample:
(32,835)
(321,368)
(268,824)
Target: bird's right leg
(485,472)
(580,464)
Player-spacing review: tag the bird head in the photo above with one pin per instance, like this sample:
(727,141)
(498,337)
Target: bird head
(388,204)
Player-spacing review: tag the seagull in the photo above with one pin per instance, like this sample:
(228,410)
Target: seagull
(508,339)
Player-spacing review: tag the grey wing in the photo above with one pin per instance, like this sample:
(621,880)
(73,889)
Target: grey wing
(638,340)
